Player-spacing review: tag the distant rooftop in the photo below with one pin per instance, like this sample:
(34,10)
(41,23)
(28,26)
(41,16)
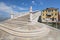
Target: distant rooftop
(51,8)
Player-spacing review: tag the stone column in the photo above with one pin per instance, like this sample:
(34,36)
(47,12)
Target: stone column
(31,13)
(12,16)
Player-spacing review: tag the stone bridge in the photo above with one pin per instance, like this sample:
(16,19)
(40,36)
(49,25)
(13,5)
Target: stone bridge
(21,28)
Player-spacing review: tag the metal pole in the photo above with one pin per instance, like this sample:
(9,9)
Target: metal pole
(47,21)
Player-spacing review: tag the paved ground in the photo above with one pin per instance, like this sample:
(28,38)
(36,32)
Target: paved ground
(22,29)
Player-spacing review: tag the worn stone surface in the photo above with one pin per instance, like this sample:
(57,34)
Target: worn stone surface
(53,35)
(22,29)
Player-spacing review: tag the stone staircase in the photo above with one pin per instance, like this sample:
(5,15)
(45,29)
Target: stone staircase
(22,29)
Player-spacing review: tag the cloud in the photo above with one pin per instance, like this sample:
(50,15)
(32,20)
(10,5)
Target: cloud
(41,3)
(20,8)
(10,9)
(4,7)
(33,2)
(22,3)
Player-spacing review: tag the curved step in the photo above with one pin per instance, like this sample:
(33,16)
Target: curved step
(27,33)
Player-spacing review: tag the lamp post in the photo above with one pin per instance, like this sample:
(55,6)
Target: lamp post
(47,21)
(30,13)
(56,23)
(12,14)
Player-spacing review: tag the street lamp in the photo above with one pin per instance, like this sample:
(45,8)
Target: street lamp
(31,13)
(47,20)
(56,23)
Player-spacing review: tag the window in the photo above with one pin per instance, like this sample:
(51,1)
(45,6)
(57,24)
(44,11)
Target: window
(43,14)
(55,18)
(52,10)
(43,18)
(46,10)
(55,13)
(43,10)
(49,10)
(52,14)
(50,18)
(56,10)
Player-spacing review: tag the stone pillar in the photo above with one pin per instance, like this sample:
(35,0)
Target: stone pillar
(31,13)
(12,16)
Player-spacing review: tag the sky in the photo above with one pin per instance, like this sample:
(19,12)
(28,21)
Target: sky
(17,6)
(23,5)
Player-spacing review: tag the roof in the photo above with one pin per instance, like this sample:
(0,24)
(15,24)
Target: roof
(21,27)
(51,8)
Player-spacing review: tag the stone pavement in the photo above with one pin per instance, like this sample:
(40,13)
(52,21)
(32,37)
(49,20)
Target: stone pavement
(22,29)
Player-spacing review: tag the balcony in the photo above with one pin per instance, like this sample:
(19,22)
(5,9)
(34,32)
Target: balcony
(48,14)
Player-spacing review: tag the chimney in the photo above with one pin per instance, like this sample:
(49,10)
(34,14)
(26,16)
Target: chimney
(31,13)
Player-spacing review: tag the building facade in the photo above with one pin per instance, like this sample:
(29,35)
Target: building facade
(59,17)
(49,15)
